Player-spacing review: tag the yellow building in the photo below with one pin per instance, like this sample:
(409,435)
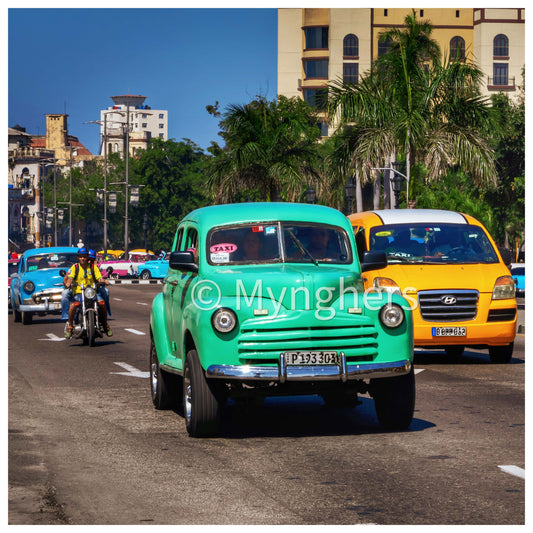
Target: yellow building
(319,45)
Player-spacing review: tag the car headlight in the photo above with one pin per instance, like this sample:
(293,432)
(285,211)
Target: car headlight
(391,315)
(224,320)
(90,293)
(28,286)
(503,288)
(387,285)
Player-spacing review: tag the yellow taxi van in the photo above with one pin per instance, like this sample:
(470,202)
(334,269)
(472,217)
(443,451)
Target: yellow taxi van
(447,266)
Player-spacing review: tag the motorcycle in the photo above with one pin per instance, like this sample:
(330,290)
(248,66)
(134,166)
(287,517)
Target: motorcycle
(87,323)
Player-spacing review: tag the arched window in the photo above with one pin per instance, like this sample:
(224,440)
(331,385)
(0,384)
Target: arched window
(501,45)
(457,48)
(350,46)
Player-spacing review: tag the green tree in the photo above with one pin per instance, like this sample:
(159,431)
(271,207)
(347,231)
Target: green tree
(173,175)
(270,149)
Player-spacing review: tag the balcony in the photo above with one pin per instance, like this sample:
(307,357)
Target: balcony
(22,195)
(501,83)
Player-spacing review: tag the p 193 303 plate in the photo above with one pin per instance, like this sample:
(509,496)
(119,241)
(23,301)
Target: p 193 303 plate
(302,358)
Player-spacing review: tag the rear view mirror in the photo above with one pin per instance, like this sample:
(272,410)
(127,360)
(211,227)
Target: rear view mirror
(373,261)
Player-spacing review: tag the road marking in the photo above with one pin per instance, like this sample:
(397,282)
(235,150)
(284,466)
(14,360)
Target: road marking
(141,303)
(135,331)
(53,337)
(131,371)
(513,470)
(417,370)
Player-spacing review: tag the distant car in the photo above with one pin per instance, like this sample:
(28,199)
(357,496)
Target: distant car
(12,267)
(108,254)
(126,266)
(37,285)
(156,268)
(518,271)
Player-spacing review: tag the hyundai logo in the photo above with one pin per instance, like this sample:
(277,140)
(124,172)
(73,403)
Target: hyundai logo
(448,300)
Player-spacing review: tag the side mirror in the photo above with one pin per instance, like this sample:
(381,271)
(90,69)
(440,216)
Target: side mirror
(507,256)
(183,261)
(373,261)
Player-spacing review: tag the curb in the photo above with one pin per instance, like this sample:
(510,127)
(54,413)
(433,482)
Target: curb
(135,281)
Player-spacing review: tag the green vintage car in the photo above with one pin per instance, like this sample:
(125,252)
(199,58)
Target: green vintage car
(266,299)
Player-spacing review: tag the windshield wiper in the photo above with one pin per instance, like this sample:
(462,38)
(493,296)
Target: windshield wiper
(301,247)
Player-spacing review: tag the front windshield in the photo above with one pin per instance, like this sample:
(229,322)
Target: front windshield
(433,243)
(51,260)
(274,242)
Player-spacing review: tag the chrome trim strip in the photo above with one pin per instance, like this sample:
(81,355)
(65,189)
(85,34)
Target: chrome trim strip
(283,373)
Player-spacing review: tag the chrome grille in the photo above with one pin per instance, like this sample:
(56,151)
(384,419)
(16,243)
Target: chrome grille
(358,342)
(448,306)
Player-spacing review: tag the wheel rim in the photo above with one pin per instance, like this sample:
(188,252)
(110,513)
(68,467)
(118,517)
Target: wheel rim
(187,394)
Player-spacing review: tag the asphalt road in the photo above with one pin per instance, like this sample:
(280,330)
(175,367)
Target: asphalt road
(86,445)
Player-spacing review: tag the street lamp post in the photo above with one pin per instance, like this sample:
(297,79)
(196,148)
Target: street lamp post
(396,181)
(350,192)
(310,195)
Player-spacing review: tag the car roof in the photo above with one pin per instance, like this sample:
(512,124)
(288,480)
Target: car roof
(51,250)
(218,215)
(405,216)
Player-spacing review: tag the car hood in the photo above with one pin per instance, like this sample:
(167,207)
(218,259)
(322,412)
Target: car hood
(294,286)
(434,277)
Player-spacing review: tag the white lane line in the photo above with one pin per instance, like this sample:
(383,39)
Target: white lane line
(53,337)
(131,371)
(137,332)
(118,299)
(513,470)
(141,303)
(417,370)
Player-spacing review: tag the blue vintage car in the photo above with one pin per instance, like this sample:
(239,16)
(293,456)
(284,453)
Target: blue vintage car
(518,271)
(156,268)
(37,285)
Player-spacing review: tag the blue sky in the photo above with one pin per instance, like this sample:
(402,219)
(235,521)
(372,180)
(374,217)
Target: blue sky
(73,60)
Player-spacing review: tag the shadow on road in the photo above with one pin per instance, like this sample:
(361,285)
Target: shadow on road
(303,416)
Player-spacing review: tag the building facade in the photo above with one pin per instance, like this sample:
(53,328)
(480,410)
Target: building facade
(320,45)
(144,124)
(31,160)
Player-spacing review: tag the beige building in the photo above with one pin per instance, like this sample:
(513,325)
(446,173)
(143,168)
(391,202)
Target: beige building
(319,45)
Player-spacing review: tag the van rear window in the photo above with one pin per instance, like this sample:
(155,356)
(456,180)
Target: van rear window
(433,243)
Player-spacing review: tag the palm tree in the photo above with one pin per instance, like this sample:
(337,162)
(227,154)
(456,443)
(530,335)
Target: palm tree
(270,150)
(431,113)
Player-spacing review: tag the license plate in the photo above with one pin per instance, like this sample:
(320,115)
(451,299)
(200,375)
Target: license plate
(449,332)
(311,358)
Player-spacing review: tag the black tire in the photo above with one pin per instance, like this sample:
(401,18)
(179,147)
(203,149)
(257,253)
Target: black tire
(17,315)
(164,387)
(394,400)
(501,354)
(91,328)
(27,317)
(145,274)
(200,405)
(454,352)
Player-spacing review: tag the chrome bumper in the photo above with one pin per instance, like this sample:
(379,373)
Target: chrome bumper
(46,307)
(283,373)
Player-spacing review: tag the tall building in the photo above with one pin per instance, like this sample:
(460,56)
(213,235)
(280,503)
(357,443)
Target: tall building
(144,122)
(320,45)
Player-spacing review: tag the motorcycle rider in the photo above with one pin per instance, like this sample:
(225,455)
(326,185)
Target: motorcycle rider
(102,291)
(87,274)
